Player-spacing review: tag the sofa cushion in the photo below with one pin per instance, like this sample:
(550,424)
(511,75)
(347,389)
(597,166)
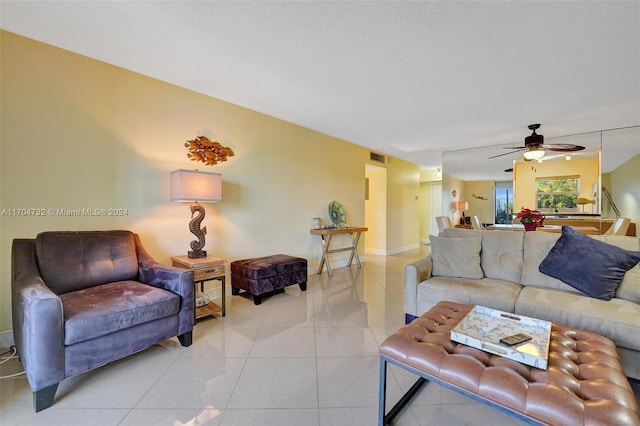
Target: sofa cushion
(71,261)
(591,266)
(96,311)
(496,294)
(502,255)
(536,248)
(616,319)
(456,257)
(630,287)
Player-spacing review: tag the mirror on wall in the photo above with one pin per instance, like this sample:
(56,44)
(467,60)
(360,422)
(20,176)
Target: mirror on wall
(561,184)
(595,184)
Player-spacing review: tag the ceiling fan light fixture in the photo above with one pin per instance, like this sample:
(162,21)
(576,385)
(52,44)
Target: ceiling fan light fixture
(534,154)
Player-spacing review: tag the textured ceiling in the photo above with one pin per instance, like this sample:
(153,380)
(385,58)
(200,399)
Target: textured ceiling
(409,79)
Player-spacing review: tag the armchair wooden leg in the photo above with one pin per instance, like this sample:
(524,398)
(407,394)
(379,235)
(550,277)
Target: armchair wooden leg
(186,339)
(43,398)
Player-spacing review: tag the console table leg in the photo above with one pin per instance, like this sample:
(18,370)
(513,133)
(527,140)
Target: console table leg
(325,255)
(354,252)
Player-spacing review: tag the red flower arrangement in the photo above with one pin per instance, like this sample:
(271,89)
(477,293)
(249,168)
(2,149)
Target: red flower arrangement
(531,219)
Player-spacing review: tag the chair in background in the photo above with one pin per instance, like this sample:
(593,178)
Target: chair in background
(475,223)
(443,223)
(619,226)
(83,299)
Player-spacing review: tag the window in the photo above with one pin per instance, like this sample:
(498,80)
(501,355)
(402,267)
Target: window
(504,202)
(558,194)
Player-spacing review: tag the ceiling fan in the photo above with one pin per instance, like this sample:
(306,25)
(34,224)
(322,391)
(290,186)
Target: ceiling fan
(535,147)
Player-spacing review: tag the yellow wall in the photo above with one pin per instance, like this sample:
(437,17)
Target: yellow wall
(526,174)
(484,209)
(403,206)
(81,134)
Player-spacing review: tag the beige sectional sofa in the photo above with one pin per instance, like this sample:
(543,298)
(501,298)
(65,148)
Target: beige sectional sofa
(500,269)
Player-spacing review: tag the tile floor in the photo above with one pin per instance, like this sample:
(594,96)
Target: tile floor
(300,358)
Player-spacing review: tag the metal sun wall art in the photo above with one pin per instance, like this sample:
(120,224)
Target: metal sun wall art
(206,151)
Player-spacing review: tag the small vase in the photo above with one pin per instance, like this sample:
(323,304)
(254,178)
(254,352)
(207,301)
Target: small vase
(530,226)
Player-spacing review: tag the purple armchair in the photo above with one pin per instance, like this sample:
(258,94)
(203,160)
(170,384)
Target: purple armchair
(83,299)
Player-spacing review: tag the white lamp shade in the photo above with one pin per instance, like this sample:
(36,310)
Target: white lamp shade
(194,185)
(462,205)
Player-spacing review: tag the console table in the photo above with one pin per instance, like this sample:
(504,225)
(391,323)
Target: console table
(205,269)
(326,234)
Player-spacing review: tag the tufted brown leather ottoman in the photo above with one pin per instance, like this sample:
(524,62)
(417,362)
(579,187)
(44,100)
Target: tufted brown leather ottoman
(269,274)
(583,385)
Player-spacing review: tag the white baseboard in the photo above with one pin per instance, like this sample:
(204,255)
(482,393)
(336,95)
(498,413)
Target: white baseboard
(379,252)
(391,252)
(403,249)
(6,340)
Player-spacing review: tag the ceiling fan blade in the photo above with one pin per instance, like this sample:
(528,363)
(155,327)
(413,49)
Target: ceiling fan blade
(563,147)
(508,153)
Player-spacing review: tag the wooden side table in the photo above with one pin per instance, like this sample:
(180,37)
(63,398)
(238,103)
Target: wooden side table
(326,234)
(205,269)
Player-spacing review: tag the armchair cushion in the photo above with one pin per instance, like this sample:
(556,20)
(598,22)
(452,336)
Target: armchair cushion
(71,261)
(95,311)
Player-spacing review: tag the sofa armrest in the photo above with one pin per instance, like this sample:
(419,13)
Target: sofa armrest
(414,274)
(176,280)
(38,321)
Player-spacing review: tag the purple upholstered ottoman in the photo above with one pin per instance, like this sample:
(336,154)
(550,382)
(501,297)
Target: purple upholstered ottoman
(263,275)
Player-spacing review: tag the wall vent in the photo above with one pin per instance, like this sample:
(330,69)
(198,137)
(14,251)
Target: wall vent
(376,157)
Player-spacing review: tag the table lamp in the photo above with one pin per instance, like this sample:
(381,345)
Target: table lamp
(462,206)
(195,186)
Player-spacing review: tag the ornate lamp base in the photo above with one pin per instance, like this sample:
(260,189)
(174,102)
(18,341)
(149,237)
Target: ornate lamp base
(196,251)
(196,254)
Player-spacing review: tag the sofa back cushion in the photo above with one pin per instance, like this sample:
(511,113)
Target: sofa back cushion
(456,257)
(536,248)
(502,255)
(70,261)
(460,233)
(630,286)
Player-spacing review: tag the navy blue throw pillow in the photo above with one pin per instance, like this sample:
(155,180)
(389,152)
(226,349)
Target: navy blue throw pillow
(591,266)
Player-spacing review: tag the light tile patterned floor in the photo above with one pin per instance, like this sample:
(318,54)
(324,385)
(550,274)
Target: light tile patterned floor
(300,358)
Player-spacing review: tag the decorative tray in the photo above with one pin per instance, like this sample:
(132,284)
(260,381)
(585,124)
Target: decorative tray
(483,327)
